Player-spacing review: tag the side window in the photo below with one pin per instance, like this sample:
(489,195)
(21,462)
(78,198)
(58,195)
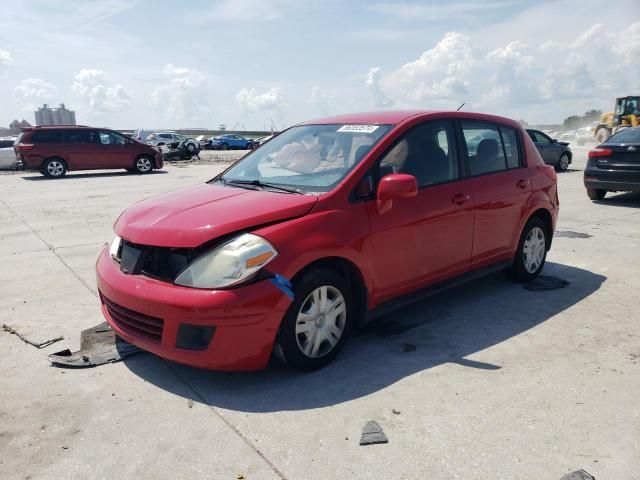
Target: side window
(484,148)
(510,142)
(80,136)
(426,152)
(47,136)
(111,138)
(541,137)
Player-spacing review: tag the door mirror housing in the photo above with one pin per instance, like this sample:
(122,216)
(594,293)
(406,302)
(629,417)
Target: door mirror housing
(395,185)
(554,140)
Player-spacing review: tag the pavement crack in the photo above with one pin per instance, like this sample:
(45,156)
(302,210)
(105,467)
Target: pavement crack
(50,247)
(246,440)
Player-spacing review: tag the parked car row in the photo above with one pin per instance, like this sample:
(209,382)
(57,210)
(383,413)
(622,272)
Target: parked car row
(228,142)
(7,155)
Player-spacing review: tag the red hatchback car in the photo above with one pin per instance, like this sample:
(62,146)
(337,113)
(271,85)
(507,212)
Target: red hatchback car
(330,224)
(54,150)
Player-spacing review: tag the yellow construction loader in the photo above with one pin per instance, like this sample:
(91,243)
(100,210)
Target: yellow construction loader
(626,114)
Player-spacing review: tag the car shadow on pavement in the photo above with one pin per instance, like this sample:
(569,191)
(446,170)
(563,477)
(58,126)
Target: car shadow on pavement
(76,176)
(445,328)
(629,199)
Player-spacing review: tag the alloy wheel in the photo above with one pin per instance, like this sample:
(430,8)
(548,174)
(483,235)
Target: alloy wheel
(143,164)
(55,168)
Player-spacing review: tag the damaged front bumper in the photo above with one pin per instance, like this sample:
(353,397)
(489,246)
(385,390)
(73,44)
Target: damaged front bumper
(215,329)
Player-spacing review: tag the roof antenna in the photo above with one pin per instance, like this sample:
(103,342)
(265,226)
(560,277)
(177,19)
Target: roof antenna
(458,109)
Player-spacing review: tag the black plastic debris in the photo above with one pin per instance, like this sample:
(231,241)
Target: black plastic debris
(372,433)
(545,282)
(578,475)
(98,345)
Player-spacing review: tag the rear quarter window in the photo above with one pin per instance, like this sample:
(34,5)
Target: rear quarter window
(629,135)
(47,136)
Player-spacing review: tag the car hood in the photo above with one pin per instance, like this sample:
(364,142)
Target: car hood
(192,216)
(566,144)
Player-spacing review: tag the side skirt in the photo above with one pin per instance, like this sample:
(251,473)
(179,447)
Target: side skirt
(421,294)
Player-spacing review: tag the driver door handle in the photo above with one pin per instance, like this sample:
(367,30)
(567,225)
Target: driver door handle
(460,198)
(522,183)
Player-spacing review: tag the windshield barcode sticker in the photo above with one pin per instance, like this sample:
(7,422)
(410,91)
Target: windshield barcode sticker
(358,128)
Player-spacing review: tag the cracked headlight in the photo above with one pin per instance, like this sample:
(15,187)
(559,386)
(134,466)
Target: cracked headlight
(228,264)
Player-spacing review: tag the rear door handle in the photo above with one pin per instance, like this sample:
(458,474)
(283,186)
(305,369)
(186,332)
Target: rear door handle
(522,183)
(460,198)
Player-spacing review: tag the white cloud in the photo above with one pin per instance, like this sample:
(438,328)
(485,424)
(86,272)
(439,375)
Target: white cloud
(98,93)
(514,77)
(250,100)
(5,59)
(440,75)
(378,97)
(32,92)
(184,97)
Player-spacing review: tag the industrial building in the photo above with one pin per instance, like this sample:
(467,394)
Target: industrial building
(47,115)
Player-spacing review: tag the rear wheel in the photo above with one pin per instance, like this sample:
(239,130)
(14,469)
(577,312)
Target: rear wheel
(563,163)
(54,168)
(143,164)
(596,193)
(317,323)
(532,251)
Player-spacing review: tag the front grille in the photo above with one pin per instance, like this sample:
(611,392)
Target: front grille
(135,323)
(161,263)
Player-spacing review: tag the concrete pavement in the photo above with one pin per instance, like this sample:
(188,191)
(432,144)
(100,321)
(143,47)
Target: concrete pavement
(503,383)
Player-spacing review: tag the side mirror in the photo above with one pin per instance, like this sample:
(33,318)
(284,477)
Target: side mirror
(554,140)
(395,185)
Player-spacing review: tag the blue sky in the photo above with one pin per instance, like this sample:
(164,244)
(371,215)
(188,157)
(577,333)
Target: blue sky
(127,64)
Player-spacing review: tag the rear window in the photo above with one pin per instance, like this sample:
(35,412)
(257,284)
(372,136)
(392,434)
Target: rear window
(6,143)
(47,136)
(628,135)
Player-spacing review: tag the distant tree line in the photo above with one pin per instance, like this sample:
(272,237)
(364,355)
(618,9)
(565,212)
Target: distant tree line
(577,121)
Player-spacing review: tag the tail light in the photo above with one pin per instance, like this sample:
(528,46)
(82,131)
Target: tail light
(600,152)
(22,147)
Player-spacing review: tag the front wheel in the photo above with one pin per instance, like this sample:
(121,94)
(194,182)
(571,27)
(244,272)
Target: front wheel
(601,135)
(143,164)
(531,253)
(317,323)
(596,193)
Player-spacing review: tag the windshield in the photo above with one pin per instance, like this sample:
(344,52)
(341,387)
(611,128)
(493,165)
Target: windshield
(309,158)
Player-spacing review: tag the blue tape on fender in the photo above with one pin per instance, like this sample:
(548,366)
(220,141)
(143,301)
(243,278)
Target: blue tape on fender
(283,284)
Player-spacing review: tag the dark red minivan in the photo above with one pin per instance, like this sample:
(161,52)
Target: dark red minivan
(55,150)
(326,226)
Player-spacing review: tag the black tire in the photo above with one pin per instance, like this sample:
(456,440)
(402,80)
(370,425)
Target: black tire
(54,167)
(596,193)
(287,347)
(521,270)
(250,146)
(602,134)
(191,147)
(224,146)
(143,164)
(563,163)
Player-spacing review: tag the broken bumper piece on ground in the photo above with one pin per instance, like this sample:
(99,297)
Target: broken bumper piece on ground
(98,345)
